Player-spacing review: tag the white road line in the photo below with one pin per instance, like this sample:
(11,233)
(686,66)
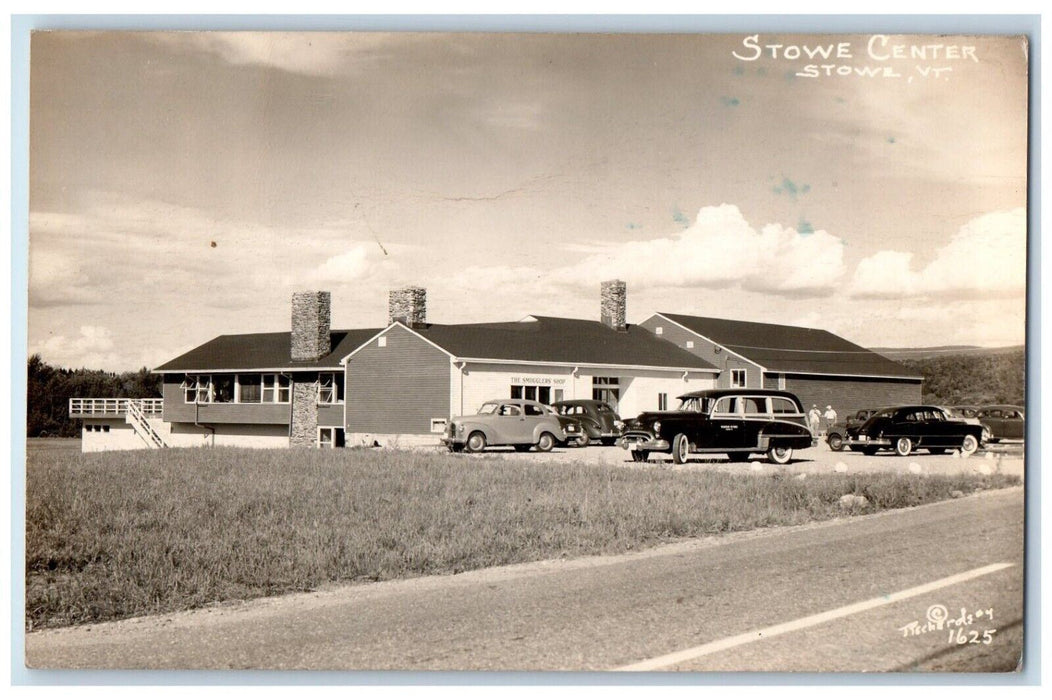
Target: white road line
(679,657)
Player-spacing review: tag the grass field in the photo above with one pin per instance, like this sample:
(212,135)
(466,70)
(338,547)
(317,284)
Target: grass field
(114,535)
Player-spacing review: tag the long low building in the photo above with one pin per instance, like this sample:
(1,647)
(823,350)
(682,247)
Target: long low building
(400,384)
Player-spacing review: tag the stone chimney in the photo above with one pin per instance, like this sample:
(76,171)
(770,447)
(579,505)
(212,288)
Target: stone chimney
(310,325)
(612,301)
(408,305)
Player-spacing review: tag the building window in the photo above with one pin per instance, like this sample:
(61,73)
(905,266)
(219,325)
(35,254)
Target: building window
(276,388)
(381,341)
(223,388)
(330,437)
(662,402)
(558,395)
(781,382)
(438,425)
(197,388)
(249,388)
(330,388)
(105,428)
(690,344)
(607,389)
(659,330)
(738,377)
(532,393)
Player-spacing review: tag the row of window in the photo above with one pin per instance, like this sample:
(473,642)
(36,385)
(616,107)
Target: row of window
(255,388)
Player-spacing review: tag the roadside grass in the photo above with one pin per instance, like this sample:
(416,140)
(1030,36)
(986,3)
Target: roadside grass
(115,535)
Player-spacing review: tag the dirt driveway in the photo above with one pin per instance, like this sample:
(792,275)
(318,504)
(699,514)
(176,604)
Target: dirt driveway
(1003,458)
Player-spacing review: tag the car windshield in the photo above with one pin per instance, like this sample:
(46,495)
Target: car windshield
(488,409)
(693,404)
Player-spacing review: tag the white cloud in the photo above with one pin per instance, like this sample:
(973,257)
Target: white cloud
(93,348)
(721,249)
(308,53)
(985,258)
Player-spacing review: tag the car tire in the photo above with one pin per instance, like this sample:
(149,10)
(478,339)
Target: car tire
(640,455)
(779,454)
(680,448)
(969,445)
(476,442)
(545,442)
(582,441)
(836,441)
(903,446)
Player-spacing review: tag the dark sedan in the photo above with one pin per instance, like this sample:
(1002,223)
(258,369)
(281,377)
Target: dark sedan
(836,435)
(1004,422)
(906,428)
(596,417)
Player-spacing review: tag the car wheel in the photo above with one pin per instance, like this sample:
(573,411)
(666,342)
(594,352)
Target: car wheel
(640,455)
(780,455)
(738,456)
(903,446)
(680,448)
(476,442)
(970,445)
(869,451)
(836,442)
(546,442)
(583,440)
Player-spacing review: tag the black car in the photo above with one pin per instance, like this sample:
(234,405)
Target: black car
(905,428)
(1004,422)
(836,435)
(598,420)
(737,422)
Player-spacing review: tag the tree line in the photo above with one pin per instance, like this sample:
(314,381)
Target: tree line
(973,379)
(49,390)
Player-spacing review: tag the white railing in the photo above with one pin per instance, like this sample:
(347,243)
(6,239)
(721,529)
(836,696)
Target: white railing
(95,407)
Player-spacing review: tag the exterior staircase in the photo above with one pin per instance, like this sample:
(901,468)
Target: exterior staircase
(135,415)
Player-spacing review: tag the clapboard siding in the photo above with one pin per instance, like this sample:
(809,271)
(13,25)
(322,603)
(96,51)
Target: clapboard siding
(398,388)
(848,395)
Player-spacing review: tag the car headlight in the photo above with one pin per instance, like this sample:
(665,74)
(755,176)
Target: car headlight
(986,434)
(657,426)
(460,427)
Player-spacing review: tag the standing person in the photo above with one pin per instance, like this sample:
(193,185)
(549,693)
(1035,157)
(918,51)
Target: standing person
(830,416)
(814,417)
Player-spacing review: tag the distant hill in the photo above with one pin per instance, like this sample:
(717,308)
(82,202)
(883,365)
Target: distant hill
(944,350)
(968,376)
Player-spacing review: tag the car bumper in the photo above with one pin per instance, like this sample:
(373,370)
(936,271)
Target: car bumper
(642,442)
(867,442)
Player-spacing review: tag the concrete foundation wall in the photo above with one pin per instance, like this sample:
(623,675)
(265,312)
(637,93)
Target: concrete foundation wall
(112,434)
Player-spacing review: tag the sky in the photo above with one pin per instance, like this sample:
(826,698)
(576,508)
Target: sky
(184,185)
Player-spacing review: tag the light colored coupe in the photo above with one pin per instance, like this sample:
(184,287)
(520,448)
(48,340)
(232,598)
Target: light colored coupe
(517,422)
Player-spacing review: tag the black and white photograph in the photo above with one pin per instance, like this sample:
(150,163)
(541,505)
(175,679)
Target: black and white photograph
(628,352)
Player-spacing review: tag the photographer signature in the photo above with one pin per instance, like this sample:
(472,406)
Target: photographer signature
(937,619)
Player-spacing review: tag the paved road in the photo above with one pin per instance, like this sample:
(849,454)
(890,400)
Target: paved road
(604,613)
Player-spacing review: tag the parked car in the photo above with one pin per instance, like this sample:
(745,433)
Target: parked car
(737,422)
(517,422)
(599,421)
(835,436)
(906,428)
(964,411)
(1003,422)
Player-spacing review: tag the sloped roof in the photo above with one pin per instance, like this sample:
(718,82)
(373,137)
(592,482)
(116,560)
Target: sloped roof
(779,348)
(565,340)
(263,351)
